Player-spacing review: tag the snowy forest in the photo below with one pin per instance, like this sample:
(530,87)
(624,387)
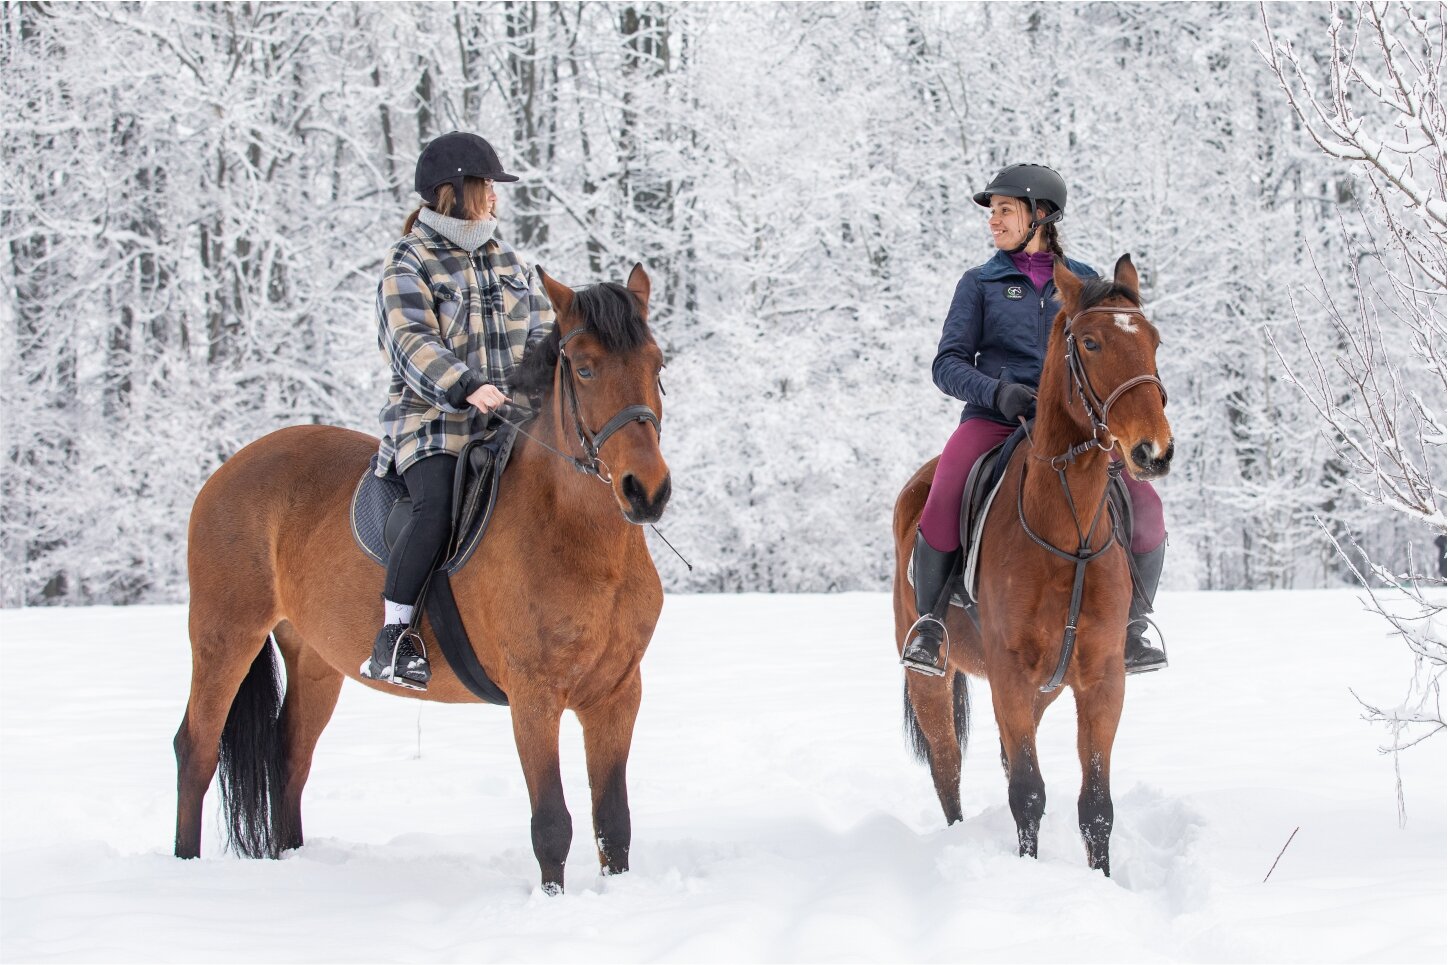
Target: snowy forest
(197,198)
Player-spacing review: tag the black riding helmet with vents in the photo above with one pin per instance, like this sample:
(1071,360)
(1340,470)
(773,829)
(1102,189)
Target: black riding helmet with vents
(1033,183)
(452,157)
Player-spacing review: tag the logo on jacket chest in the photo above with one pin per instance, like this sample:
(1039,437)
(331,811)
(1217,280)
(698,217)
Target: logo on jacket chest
(1015,292)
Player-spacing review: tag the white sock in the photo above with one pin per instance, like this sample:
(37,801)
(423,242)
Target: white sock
(396,612)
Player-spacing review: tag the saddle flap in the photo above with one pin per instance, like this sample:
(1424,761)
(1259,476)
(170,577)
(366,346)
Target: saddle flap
(981,486)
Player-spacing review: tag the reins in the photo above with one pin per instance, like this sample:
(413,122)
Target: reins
(1099,413)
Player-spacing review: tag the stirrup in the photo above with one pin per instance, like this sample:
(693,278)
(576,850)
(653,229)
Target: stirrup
(1158,653)
(928,669)
(389,673)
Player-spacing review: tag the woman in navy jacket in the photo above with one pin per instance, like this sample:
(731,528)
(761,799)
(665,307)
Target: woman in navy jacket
(990,358)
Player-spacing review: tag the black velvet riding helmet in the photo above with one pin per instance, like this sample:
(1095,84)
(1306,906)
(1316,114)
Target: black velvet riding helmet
(452,157)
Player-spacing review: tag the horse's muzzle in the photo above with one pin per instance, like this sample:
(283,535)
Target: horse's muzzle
(1148,465)
(643,507)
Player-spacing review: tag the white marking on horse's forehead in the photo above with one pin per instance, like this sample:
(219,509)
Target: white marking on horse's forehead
(1125,322)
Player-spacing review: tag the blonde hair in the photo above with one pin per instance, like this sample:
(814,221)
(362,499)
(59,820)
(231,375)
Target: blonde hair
(475,202)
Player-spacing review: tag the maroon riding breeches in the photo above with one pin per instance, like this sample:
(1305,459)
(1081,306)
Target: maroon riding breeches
(973,438)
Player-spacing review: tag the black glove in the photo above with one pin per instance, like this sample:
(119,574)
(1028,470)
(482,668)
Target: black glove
(1015,400)
(457,396)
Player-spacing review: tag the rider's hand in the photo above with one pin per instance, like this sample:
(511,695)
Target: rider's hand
(1014,400)
(487,397)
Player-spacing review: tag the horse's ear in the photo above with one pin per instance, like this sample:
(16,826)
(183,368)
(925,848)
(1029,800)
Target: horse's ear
(560,296)
(638,283)
(1068,286)
(1125,275)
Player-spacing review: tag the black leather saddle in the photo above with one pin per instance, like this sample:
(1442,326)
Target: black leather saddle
(981,488)
(381,505)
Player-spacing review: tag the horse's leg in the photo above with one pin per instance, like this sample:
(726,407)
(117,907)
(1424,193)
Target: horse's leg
(221,657)
(1015,708)
(607,735)
(535,729)
(1042,702)
(1098,712)
(312,689)
(939,710)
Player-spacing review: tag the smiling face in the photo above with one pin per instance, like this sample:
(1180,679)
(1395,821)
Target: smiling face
(1010,219)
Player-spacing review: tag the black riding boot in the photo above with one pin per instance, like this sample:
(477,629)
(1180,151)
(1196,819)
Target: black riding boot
(1140,655)
(933,573)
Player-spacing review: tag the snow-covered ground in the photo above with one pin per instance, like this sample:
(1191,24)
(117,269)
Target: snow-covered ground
(776,813)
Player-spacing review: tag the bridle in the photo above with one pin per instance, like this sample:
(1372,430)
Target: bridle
(1099,412)
(592,442)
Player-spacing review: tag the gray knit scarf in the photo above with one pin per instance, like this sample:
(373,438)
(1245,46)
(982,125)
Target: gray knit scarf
(467,235)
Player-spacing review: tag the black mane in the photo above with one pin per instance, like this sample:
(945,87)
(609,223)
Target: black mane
(1094,291)
(610,314)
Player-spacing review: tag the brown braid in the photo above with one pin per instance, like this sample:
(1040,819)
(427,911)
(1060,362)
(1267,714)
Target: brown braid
(1051,240)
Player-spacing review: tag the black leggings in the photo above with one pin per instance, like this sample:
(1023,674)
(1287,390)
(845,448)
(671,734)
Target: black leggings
(415,554)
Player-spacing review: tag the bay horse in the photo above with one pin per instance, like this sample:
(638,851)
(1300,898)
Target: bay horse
(559,601)
(1101,347)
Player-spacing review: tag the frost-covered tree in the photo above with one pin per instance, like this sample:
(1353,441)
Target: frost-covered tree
(1377,375)
(198,196)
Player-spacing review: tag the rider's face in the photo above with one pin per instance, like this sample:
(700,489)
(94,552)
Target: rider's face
(482,200)
(1009,221)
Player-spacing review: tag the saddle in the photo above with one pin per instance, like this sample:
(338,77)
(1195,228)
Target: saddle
(379,511)
(981,487)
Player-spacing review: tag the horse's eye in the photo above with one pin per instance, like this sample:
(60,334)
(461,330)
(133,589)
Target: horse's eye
(585,372)
(1089,344)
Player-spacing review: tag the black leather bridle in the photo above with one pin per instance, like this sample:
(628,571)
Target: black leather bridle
(592,442)
(1097,410)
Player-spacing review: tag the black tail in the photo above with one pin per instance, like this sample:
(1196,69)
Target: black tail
(960,699)
(252,770)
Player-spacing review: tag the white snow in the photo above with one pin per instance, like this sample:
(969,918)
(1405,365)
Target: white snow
(776,814)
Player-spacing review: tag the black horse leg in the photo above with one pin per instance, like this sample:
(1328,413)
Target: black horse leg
(1028,798)
(535,729)
(1014,699)
(1098,711)
(607,736)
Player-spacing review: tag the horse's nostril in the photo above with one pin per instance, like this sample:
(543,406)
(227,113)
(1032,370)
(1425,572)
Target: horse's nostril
(633,490)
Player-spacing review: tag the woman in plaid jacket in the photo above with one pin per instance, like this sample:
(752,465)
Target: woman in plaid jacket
(456,310)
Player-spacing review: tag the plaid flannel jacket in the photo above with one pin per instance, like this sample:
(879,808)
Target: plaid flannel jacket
(444,316)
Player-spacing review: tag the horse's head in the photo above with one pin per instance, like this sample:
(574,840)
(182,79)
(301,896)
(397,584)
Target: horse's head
(603,365)
(1113,391)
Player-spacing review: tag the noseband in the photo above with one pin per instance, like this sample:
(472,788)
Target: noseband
(592,442)
(1098,411)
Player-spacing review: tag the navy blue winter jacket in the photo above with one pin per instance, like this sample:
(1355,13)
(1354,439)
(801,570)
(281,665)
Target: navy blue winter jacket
(996,331)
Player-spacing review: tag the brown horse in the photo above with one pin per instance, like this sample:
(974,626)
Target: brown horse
(560,600)
(1054,487)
